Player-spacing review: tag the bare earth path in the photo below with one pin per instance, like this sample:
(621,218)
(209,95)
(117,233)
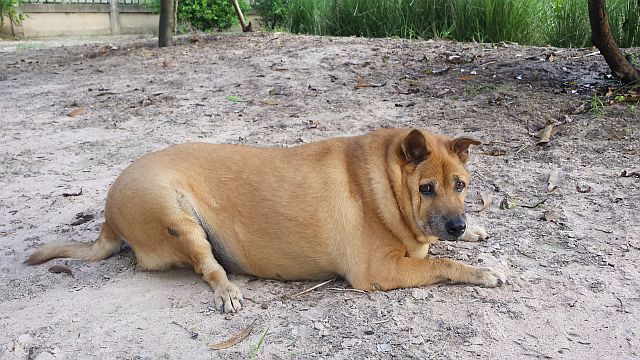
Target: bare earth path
(572,260)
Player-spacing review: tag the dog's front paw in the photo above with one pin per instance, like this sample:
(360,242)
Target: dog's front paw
(227,297)
(490,277)
(474,233)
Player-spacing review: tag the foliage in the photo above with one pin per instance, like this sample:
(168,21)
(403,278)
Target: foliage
(273,13)
(209,14)
(538,22)
(11,10)
(153,5)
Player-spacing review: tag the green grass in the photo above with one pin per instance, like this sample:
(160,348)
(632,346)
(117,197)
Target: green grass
(28,45)
(562,23)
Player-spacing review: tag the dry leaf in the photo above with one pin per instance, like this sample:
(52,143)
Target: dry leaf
(76,111)
(505,204)
(469,77)
(487,198)
(269,102)
(410,90)
(234,340)
(545,134)
(361,83)
(555,179)
(552,215)
(60,269)
(583,188)
(496,152)
(169,63)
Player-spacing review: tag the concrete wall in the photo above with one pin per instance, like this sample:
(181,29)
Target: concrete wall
(49,20)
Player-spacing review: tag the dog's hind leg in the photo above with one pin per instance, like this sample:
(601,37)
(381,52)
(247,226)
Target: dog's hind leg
(191,241)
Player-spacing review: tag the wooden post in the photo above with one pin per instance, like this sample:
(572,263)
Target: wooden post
(114,17)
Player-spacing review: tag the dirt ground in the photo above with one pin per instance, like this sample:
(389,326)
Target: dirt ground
(571,254)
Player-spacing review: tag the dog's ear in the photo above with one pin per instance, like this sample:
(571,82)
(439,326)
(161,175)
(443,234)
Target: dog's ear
(460,146)
(414,147)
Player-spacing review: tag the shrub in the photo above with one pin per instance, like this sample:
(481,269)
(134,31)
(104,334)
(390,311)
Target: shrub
(11,10)
(273,13)
(209,14)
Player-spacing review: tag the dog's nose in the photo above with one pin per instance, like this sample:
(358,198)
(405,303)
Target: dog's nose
(456,226)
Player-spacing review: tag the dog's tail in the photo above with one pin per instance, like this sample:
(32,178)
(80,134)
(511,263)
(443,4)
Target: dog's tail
(107,244)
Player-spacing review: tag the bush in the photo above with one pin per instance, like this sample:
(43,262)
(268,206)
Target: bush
(11,10)
(209,14)
(273,13)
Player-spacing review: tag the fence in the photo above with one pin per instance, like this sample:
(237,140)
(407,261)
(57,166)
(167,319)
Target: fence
(50,18)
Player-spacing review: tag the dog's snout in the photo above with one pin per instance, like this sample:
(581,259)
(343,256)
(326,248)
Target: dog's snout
(456,226)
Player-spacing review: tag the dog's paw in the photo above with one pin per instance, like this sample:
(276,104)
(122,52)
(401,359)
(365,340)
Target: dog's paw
(227,298)
(474,233)
(490,278)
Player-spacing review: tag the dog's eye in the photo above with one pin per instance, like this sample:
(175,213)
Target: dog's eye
(459,186)
(426,189)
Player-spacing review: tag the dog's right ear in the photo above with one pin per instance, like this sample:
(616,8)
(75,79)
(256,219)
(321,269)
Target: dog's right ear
(414,147)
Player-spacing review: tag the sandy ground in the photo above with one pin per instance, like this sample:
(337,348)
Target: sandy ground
(571,254)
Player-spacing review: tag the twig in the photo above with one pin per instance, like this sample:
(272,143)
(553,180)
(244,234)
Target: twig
(193,334)
(312,288)
(364,292)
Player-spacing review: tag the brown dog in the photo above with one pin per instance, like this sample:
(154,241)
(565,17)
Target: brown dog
(365,208)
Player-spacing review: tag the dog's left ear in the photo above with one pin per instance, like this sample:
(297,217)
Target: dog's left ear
(460,146)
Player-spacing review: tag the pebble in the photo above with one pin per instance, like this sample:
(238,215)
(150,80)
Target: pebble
(476,340)
(421,294)
(383,347)
(45,356)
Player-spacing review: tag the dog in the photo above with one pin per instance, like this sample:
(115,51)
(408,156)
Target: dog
(365,208)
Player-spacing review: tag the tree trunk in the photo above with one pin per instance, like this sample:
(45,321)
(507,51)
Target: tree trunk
(245,27)
(165,30)
(603,39)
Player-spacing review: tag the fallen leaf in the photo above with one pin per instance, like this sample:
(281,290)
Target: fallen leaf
(436,71)
(60,269)
(552,216)
(505,204)
(234,98)
(82,218)
(555,179)
(546,134)
(76,111)
(469,77)
(580,109)
(583,188)
(270,102)
(72,194)
(496,152)
(361,83)
(409,90)
(487,198)
(169,63)
(234,340)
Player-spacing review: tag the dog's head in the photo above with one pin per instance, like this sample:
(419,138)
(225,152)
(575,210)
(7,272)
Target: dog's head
(437,180)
